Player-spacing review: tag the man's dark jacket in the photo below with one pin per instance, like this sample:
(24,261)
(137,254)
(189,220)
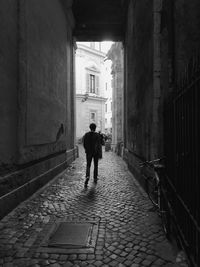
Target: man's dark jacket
(91,143)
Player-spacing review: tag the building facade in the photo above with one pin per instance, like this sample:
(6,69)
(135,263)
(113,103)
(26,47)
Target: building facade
(90,87)
(116,54)
(108,93)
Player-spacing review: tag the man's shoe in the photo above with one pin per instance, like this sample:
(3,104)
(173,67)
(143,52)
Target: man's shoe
(95,180)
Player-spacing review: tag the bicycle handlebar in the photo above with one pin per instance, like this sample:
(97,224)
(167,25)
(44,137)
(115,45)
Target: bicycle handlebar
(153,163)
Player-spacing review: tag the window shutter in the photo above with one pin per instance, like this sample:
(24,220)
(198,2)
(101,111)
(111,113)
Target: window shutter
(87,82)
(97,85)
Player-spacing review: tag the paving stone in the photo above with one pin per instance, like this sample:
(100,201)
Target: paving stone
(146,262)
(90,256)
(98,263)
(44,262)
(138,260)
(44,256)
(63,257)
(52,261)
(117,251)
(82,257)
(113,263)
(106,260)
(54,265)
(72,257)
(68,264)
(123,254)
(8,264)
(8,259)
(99,252)
(128,234)
(54,256)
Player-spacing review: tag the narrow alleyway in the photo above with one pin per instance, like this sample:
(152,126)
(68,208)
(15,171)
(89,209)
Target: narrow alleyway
(125,232)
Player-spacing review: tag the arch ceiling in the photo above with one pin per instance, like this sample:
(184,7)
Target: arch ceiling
(98,20)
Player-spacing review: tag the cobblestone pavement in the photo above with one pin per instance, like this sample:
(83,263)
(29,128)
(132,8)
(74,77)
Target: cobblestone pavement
(127,232)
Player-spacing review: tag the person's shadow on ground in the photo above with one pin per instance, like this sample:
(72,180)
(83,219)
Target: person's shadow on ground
(91,193)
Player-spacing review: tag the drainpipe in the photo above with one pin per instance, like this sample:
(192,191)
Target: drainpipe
(157,8)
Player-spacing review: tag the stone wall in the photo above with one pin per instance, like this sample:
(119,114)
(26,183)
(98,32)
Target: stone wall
(36,96)
(161,38)
(138,79)
(186,31)
(36,81)
(8,83)
(116,54)
(45,88)
(180,40)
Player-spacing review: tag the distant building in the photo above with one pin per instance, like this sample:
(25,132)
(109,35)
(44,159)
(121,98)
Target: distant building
(90,87)
(108,93)
(116,55)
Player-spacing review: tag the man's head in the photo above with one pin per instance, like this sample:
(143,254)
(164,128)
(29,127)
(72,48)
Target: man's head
(93,127)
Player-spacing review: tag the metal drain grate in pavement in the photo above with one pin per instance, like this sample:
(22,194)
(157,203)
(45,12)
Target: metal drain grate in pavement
(66,237)
(71,234)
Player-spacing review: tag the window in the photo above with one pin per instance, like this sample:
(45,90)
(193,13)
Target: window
(92,117)
(111,106)
(92,83)
(106,107)
(106,86)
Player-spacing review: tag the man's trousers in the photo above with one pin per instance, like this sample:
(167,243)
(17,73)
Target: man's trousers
(89,158)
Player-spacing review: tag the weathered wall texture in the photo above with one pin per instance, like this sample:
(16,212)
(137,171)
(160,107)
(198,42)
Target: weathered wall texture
(36,96)
(139,80)
(8,82)
(116,54)
(36,104)
(161,37)
(186,28)
(46,46)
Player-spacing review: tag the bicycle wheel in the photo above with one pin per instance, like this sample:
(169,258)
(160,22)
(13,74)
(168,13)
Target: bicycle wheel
(153,191)
(165,216)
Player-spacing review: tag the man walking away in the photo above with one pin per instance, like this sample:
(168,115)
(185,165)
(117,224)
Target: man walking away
(92,145)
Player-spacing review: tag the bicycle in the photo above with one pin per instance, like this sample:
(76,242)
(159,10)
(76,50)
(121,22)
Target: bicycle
(155,186)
